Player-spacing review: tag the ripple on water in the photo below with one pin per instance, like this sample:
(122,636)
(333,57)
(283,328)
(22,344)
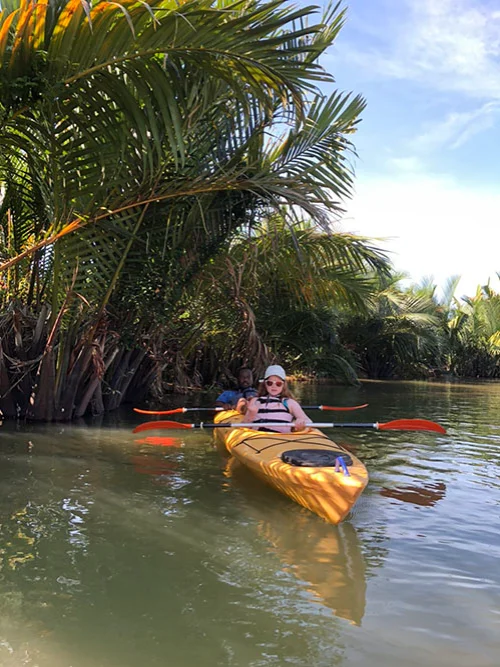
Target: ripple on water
(117,552)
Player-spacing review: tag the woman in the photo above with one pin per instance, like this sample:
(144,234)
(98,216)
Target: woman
(275,403)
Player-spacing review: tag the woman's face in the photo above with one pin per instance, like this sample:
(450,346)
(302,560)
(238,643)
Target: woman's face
(274,385)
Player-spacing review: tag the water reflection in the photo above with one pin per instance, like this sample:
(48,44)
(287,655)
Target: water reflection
(145,464)
(326,560)
(160,441)
(117,552)
(426,495)
(148,461)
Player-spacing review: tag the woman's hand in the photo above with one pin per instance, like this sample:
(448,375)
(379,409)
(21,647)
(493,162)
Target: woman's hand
(252,409)
(299,425)
(241,406)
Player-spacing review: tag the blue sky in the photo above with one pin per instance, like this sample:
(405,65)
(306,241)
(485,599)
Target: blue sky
(428,172)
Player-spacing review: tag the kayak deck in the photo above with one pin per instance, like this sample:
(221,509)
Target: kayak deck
(325,490)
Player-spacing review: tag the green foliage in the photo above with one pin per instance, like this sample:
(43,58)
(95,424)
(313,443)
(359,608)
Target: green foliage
(411,333)
(398,337)
(147,135)
(474,335)
(276,293)
(135,148)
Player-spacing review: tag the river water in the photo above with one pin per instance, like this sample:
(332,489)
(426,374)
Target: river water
(123,550)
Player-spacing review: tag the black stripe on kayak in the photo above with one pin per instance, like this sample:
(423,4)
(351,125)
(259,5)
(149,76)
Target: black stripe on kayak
(282,441)
(278,441)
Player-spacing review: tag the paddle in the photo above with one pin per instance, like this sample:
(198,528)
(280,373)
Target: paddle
(172,412)
(329,407)
(304,407)
(396,425)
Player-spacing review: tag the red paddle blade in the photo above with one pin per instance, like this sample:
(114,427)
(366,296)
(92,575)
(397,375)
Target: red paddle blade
(151,426)
(160,440)
(354,407)
(411,425)
(159,412)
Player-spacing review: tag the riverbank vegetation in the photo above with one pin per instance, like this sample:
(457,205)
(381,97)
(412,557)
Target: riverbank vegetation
(170,180)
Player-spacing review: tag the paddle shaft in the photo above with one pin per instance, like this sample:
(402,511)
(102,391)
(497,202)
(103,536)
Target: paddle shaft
(174,411)
(257,425)
(395,425)
(330,407)
(218,409)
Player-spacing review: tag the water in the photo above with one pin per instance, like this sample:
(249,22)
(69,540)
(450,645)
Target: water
(120,551)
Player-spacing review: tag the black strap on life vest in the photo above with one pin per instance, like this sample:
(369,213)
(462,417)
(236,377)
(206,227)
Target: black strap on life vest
(272,406)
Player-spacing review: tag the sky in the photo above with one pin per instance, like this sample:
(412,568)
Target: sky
(428,166)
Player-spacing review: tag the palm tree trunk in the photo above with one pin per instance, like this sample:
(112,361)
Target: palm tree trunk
(7,405)
(41,404)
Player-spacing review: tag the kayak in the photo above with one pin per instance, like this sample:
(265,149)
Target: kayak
(306,465)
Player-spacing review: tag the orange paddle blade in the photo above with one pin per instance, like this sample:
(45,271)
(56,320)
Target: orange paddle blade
(150,426)
(411,425)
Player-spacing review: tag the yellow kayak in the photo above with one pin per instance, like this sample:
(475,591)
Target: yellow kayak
(306,466)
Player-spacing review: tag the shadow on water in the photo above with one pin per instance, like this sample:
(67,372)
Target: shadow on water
(425,495)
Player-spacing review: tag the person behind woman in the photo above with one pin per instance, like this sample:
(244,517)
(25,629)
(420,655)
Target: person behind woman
(237,398)
(275,403)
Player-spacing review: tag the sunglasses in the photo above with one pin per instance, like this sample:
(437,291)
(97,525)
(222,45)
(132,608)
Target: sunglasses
(270,383)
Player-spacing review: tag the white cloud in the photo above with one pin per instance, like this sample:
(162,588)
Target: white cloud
(452,45)
(410,164)
(433,227)
(457,128)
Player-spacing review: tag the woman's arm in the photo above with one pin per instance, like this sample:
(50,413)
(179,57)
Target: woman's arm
(299,416)
(252,409)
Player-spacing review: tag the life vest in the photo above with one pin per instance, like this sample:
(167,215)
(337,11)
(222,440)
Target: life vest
(272,409)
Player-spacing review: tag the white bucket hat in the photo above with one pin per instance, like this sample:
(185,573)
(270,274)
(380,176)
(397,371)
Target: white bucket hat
(275,370)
